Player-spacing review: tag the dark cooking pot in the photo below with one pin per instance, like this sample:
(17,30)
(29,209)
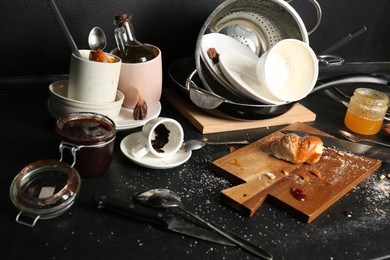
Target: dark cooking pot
(183,73)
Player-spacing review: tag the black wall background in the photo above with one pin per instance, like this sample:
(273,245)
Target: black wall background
(32,43)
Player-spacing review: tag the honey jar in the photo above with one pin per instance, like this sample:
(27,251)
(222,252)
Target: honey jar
(366,111)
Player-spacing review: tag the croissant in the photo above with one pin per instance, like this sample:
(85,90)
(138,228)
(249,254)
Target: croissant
(296,149)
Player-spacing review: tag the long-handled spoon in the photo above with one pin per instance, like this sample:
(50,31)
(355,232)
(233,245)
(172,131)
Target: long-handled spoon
(64,28)
(196,144)
(164,198)
(355,139)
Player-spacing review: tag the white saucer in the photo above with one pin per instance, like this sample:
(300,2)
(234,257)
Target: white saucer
(149,160)
(240,71)
(125,118)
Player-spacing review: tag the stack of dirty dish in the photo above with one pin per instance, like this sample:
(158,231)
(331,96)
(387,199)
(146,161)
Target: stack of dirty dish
(287,72)
(254,54)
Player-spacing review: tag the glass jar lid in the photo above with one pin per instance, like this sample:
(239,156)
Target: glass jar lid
(44,189)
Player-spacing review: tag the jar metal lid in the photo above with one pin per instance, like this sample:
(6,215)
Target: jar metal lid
(44,189)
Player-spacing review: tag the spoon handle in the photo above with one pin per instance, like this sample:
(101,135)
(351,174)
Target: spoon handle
(376,142)
(227,142)
(244,244)
(64,28)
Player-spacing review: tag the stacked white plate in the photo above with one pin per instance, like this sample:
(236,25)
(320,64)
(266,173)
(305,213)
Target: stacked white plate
(235,68)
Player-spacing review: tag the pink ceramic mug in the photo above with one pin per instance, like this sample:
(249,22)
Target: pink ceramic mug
(143,78)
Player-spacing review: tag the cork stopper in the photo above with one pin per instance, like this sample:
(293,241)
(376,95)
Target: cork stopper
(119,19)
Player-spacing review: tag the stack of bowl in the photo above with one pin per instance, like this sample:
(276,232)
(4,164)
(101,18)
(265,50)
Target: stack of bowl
(60,105)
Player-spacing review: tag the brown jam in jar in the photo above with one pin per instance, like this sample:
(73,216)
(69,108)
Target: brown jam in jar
(87,141)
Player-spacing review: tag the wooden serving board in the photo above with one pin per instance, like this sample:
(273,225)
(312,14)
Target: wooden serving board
(208,123)
(260,176)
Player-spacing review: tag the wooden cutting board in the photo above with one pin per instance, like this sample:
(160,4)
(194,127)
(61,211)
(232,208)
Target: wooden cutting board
(208,123)
(260,176)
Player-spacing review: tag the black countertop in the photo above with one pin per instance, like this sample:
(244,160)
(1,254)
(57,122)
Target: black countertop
(83,232)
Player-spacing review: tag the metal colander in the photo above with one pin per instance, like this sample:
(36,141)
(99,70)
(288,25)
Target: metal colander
(253,30)
(257,24)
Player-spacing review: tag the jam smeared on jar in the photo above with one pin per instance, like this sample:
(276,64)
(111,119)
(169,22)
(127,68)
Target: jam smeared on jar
(161,134)
(298,194)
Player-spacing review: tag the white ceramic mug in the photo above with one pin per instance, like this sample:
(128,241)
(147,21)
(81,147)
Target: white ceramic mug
(167,133)
(92,81)
(289,70)
(144,79)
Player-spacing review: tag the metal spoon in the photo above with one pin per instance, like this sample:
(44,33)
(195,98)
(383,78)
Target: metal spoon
(164,198)
(64,28)
(97,39)
(355,139)
(196,144)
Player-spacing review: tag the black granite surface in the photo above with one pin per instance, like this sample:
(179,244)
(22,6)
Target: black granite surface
(83,232)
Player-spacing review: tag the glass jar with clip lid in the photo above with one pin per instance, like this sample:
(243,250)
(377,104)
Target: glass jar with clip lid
(47,188)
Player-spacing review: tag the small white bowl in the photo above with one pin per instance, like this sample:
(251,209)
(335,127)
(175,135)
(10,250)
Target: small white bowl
(60,105)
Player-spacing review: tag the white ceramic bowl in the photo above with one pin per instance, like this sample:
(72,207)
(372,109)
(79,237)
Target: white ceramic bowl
(60,105)
(289,70)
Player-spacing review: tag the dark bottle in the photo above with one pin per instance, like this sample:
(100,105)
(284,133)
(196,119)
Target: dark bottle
(129,49)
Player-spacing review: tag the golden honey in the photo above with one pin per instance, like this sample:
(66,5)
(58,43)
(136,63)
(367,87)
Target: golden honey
(366,111)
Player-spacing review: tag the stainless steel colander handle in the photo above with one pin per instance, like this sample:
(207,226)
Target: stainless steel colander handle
(201,97)
(319,15)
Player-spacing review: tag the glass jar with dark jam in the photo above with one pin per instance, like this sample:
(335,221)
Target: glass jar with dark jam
(87,142)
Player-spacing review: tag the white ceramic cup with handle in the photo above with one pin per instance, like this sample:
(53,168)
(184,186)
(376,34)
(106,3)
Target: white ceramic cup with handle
(161,136)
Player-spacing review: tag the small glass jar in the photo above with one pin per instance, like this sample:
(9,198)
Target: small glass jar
(43,190)
(87,142)
(366,111)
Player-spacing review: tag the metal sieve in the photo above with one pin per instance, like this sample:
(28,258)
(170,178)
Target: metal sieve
(257,24)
